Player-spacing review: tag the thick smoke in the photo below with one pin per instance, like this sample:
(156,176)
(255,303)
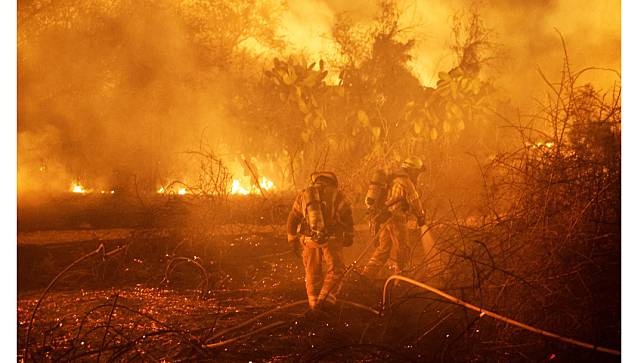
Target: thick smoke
(528,30)
(117,95)
(110,91)
(523,34)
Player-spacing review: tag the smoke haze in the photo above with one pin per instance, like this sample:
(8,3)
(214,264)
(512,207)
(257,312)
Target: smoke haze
(112,89)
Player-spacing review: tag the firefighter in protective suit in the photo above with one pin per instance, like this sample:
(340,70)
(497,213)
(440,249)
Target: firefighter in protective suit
(319,225)
(402,199)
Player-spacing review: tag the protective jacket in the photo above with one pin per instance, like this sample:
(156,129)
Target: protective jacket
(402,200)
(337,215)
(403,197)
(322,250)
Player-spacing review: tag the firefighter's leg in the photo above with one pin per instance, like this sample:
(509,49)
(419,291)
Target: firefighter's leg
(399,245)
(312,258)
(334,269)
(381,254)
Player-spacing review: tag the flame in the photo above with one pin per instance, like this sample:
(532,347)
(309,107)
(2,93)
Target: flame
(238,189)
(265,184)
(540,144)
(78,188)
(180,191)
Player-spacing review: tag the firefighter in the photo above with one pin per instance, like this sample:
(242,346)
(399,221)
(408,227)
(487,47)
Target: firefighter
(390,212)
(319,225)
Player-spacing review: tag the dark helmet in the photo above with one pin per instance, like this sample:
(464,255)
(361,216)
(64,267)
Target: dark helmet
(324,177)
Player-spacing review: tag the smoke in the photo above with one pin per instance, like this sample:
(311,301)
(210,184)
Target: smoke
(523,34)
(110,91)
(114,95)
(528,30)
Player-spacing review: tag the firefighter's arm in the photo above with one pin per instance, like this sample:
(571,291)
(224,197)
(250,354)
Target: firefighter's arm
(413,198)
(294,219)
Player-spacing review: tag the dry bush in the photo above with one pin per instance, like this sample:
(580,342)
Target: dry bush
(546,249)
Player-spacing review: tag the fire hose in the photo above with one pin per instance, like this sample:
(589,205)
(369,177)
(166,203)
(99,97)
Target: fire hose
(482,312)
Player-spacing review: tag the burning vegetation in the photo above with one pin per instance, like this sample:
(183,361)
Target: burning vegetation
(161,146)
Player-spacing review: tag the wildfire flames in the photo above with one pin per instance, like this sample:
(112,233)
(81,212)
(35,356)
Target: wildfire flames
(237,187)
(78,188)
(264,184)
(540,144)
(173,190)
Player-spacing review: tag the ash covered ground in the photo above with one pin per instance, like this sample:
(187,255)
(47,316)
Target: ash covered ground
(236,294)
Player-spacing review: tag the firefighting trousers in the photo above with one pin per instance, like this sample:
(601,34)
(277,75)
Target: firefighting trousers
(323,268)
(393,246)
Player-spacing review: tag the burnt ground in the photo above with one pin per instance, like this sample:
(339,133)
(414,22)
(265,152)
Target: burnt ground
(247,275)
(171,294)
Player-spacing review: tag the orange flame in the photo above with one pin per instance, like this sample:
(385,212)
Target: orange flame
(78,188)
(265,184)
(236,188)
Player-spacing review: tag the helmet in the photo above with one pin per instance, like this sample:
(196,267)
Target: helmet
(414,163)
(325,177)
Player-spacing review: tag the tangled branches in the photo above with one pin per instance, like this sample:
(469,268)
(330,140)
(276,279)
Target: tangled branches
(546,245)
(100,251)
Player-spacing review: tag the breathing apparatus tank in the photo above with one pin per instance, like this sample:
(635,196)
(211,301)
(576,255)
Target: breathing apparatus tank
(318,205)
(377,191)
(313,212)
(375,200)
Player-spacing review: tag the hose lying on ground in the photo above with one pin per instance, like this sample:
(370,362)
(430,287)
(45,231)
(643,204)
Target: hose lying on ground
(494,315)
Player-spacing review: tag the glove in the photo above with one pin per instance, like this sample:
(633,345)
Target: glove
(296,247)
(347,240)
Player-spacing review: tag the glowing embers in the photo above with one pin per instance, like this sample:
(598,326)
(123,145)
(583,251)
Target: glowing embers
(78,188)
(540,144)
(173,189)
(264,185)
